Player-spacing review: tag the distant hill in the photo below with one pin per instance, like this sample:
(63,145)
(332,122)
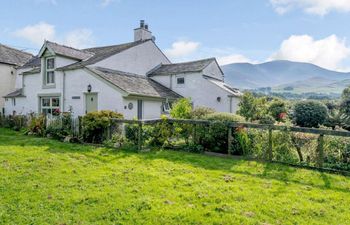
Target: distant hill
(282,74)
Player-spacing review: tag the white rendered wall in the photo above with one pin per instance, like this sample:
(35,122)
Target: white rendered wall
(7,82)
(202,92)
(213,70)
(139,59)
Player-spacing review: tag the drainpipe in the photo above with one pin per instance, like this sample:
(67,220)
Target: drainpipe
(171,82)
(63,90)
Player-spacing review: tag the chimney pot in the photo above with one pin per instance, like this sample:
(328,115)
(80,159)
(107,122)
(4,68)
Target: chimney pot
(146,26)
(142,23)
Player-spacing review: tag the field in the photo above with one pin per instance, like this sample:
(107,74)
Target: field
(47,182)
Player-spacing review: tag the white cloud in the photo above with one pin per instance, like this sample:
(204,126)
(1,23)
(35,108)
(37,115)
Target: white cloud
(105,3)
(234,58)
(329,52)
(318,7)
(80,38)
(182,48)
(38,33)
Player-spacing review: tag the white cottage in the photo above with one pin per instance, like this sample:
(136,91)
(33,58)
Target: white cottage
(135,79)
(10,59)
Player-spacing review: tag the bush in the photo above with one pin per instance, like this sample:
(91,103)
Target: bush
(95,125)
(252,108)
(267,119)
(221,116)
(116,141)
(278,110)
(61,127)
(309,114)
(37,125)
(181,109)
(214,137)
(201,112)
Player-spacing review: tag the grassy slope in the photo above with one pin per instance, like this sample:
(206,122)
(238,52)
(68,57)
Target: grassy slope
(46,182)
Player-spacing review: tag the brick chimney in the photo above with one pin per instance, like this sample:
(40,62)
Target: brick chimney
(142,33)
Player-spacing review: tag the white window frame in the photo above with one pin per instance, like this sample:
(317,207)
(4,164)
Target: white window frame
(49,70)
(42,107)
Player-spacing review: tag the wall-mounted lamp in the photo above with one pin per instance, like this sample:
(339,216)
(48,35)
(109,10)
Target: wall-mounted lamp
(89,88)
(218,99)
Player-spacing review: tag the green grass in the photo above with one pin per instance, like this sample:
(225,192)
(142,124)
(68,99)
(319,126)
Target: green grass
(47,182)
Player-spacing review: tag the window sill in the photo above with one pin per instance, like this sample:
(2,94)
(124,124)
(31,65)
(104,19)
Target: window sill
(49,86)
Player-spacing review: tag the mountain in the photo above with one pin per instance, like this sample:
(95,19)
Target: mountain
(281,74)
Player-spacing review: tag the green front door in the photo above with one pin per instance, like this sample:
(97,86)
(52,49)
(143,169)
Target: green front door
(91,102)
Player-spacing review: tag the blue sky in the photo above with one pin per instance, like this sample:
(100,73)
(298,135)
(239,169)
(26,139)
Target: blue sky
(315,31)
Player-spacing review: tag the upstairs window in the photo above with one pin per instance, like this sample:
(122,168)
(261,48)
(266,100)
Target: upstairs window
(180,81)
(50,71)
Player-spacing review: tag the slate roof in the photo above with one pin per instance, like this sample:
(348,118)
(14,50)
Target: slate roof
(101,53)
(35,61)
(186,67)
(13,56)
(135,84)
(232,91)
(33,71)
(16,93)
(68,51)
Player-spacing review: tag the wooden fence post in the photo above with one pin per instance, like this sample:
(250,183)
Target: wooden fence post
(269,154)
(139,136)
(320,153)
(229,140)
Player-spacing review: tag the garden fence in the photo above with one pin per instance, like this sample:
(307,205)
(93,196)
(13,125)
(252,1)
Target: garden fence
(320,148)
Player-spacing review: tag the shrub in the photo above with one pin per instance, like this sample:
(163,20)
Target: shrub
(309,114)
(252,108)
(60,127)
(221,116)
(116,141)
(267,119)
(201,112)
(181,109)
(214,137)
(278,110)
(95,125)
(37,125)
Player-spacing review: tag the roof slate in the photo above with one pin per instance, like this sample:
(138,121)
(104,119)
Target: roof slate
(68,51)
(13,56)
(186,67)
(135,84)
(35,70)
(101,53)
(33,62)
(232,91)
(16,93)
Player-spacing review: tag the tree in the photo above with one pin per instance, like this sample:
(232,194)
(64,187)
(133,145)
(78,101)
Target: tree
(248,106)
(309,114)
(345,102)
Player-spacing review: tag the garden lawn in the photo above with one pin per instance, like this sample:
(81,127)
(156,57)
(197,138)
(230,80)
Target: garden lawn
(43,181)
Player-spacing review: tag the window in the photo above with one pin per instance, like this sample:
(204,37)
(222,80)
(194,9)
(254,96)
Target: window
(50,106)
(180,80)
(50,71)
(14,101)
(166,107)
